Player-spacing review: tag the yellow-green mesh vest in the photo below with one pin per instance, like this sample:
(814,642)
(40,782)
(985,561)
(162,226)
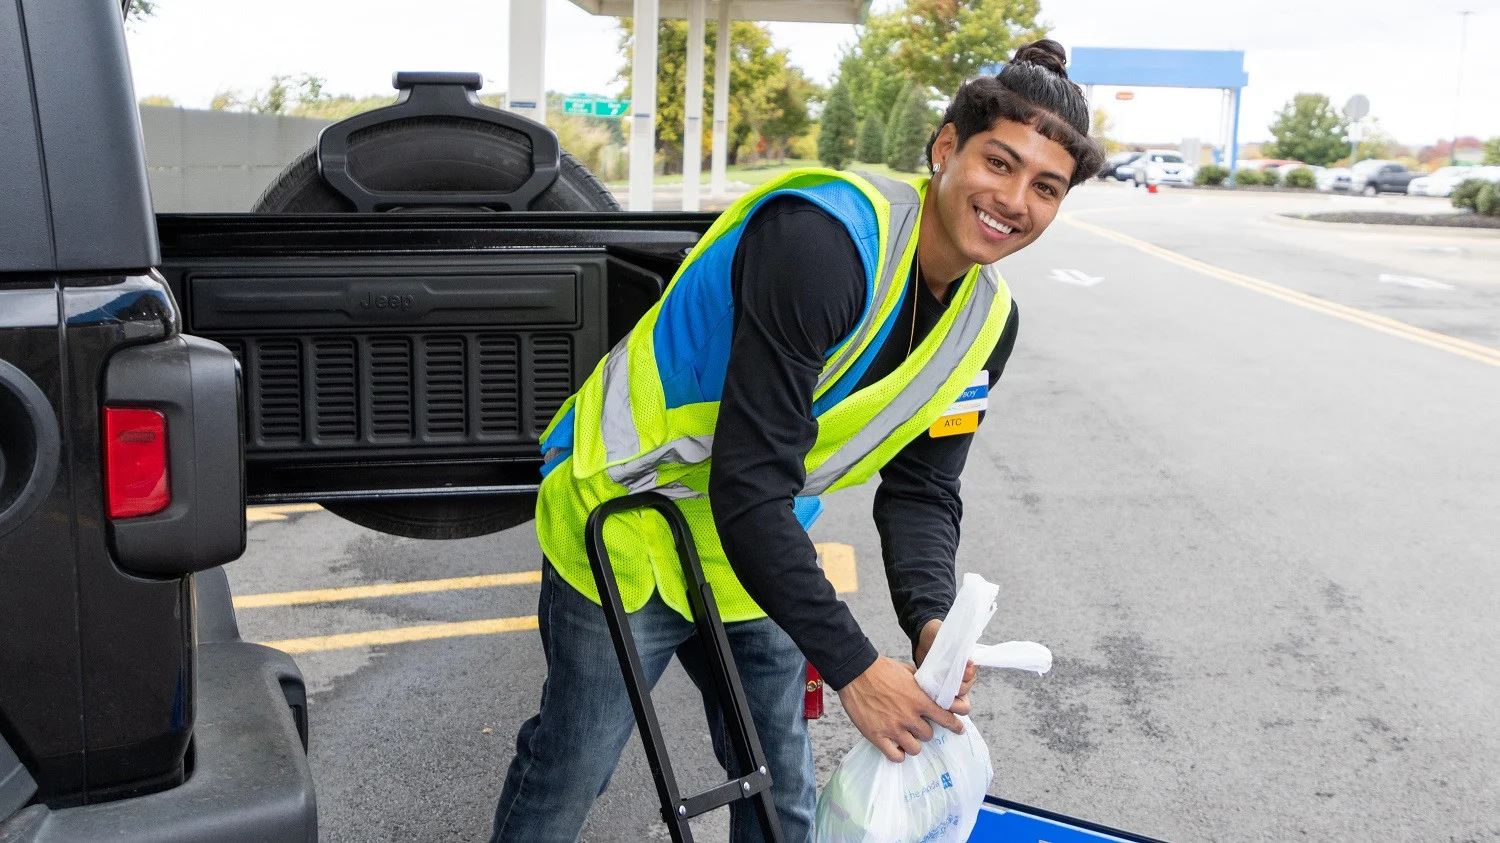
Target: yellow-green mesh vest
(627,440)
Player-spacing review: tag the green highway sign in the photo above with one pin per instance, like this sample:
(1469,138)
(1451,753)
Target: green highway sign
(595,106)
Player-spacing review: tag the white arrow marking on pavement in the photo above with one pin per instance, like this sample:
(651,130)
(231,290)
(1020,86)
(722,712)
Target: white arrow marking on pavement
(1075,276)
(1412,281)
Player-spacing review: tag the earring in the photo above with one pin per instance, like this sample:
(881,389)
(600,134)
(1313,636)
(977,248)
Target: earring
(937,168)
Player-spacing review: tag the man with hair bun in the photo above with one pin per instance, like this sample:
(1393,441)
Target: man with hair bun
(830,325)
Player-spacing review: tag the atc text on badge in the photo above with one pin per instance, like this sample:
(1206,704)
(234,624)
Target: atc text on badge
(963,415)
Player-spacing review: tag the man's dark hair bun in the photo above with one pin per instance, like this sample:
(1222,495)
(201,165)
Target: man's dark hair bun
(1045,53)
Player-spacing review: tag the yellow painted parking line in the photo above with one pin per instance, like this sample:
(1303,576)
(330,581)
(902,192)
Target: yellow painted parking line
(361,592)
(278,513)
(838,566)
(837,559)
(1453,345)
(401,635)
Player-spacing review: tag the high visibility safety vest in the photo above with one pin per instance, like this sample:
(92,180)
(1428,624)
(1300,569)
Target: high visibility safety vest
(644,419)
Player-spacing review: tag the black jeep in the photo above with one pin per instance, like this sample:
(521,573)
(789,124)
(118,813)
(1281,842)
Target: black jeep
(387,337)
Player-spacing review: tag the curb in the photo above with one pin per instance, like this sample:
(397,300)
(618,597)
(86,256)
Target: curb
(1379,228)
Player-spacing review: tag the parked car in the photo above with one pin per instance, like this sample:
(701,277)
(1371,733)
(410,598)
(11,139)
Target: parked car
(1118,166)
(1335,179)
(1441,182)
(1362,171)
(1260,164)
(1388,178)
(1162,166)
(1282,169)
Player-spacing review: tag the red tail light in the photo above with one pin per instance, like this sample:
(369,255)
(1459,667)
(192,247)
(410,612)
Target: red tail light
(135,462)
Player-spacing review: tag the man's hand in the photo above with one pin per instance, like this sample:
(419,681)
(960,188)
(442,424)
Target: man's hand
(891,711)
(924,643)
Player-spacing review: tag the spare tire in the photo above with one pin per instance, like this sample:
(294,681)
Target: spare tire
(435,154)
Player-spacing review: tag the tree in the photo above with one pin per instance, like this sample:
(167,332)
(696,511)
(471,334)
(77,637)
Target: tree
(894,121)
(836,138)
(1492,151)
(913,129)
(285,95)
(1101,125)
(159,100)
(782,114)
(754,66)
(140,10)
(944,42)
(869,147)
(874,82)
(1374,142)
(1310,130)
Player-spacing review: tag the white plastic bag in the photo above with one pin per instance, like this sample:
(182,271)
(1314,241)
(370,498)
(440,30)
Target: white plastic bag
(934,796)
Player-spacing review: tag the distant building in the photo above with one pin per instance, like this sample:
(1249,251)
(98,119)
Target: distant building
(1470,151)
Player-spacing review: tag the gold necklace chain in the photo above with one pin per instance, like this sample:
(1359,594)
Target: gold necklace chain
(916,278)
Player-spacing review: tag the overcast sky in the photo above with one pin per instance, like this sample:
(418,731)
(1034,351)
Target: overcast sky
(1403,55)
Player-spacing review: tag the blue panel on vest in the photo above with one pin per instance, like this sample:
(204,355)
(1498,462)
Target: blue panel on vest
(560,437)
(807,510)
(695,326)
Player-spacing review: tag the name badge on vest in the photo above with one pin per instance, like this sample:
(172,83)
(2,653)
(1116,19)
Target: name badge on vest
(963,415)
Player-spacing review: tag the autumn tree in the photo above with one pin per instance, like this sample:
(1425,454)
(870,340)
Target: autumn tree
(945,42)
(935,44)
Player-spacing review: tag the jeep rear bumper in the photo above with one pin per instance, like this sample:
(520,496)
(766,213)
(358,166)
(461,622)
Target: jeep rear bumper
(250,779)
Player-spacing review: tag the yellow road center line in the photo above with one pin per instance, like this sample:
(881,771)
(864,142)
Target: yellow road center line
(361,592)
(402,635)
(838,566)
(1453,345)
(278,513)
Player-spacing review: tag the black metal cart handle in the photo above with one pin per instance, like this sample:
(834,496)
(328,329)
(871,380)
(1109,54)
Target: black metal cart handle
(753,784)
(437,95)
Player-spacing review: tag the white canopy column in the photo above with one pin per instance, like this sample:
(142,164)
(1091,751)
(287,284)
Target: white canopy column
(643,106)
(692,129)
(718,182)
(647,14)
(526,94)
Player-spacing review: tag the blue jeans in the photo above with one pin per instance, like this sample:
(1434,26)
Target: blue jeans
(566,754)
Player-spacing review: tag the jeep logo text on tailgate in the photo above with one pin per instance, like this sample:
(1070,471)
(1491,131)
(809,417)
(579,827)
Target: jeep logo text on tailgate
(372,301)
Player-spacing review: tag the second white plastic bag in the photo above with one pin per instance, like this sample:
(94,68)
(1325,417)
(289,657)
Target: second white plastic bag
(934,796)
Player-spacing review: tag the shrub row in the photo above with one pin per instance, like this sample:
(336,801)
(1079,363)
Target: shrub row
(1479,196)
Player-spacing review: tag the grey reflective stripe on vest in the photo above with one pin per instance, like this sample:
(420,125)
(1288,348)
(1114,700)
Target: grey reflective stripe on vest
(905,203)
(617,420)
(639,474)
(966,329)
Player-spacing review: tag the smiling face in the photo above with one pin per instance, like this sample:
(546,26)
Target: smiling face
(991,197)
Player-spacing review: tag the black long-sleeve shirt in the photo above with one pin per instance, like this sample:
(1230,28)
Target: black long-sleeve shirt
(799,288)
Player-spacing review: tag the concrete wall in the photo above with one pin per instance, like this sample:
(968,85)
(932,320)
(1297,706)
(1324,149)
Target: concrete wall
(217,161)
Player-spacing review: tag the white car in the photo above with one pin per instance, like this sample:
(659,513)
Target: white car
(1335,178)
(1441,182)
(1162,166)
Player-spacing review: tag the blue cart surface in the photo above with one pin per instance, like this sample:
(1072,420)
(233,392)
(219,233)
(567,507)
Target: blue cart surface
(1004,821)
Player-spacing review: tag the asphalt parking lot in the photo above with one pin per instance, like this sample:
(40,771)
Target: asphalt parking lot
(1242,476)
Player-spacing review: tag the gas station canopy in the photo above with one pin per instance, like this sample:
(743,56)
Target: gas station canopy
(807,11)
